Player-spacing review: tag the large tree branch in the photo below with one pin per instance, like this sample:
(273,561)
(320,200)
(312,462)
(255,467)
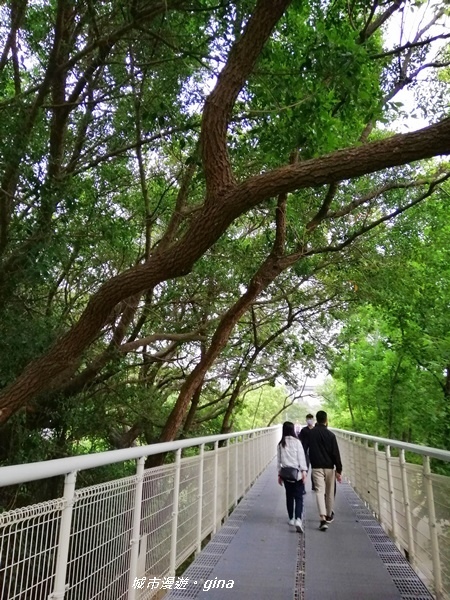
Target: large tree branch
(375,193)
(219,104)
(149,339)
(10,177)
(373,224)
(372,26)
(203,232)
(409,45)
(345,164)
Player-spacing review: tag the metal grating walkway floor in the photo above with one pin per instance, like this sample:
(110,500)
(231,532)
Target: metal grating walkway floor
(266,559)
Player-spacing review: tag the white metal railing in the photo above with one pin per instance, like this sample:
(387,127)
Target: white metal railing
(95,542)
(411,503)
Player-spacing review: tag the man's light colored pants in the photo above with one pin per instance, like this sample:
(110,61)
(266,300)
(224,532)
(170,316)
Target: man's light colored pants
(324,480)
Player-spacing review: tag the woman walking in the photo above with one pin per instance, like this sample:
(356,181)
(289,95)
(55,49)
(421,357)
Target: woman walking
(292,472)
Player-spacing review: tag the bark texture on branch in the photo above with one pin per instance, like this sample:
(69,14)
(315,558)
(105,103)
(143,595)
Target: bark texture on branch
(209,225)
(225,201)
(219,104)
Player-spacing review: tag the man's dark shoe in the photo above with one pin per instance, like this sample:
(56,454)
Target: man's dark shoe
(330,519)
(323,526)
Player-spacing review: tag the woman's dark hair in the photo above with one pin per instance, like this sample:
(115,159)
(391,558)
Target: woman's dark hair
(288,430)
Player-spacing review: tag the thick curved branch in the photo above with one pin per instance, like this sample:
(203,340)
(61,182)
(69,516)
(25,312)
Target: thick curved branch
(323,210)
(371,27)
(211,222)
(345,210)
(176,337)
(409,45)
(387,217)
(220,103)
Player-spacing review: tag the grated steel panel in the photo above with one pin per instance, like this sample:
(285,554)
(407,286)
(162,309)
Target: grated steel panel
(196,571)
(191,590)
(215,547)
(299,588)
(411,586)
(403,571)
(228,529)
(239,517)
(224,537)
(369,519)
(385,547)
(393,558)
(205,559)
(403,575)
(378,537)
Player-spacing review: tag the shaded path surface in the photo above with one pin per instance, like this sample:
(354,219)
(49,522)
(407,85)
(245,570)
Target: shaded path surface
(259,556)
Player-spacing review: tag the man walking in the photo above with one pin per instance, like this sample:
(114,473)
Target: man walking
(304,438)
(325,458)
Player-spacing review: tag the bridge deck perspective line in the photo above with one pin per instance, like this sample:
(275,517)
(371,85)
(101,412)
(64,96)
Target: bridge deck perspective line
(260,556)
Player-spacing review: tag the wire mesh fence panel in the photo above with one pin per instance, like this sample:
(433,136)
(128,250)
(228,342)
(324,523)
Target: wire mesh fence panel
(241,469)
(232,489)
(115,533)
(347,450)
(222,477)
(441,492)
(359,474)
(99,554)
(420,522)
(372,483)
(208,494)
(414,508)
(364,455)
(28,548)
(385,515)
(156,521)
(399,516)
(187,508)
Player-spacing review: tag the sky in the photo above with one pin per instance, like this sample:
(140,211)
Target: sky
(403,27)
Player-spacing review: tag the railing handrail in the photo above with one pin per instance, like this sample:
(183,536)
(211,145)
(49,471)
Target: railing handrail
(22,473)
(416,448)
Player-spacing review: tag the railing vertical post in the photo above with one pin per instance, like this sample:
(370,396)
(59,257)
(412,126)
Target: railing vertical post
(365,450)
(216,484)
(236,471)
(176,495)
(407,504)
(437,576)
(255,456)
(356,464)
(200,498)
(378,481)
(259,453)
(59,588)
(250,459)
(227,492)
(352,459)
(246,462)
(135,535)
(391,492)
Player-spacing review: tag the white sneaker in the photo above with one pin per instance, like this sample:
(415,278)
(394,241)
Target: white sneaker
(291,522)
(299,525)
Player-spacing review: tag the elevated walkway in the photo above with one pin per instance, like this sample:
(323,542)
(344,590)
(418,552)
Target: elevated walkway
(257,555)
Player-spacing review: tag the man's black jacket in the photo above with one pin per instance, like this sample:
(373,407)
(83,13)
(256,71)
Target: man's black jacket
(323,449)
